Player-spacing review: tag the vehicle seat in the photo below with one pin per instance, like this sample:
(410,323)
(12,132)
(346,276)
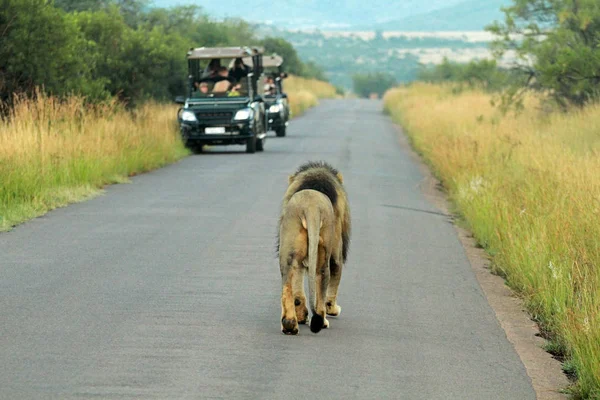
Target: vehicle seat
(221,86)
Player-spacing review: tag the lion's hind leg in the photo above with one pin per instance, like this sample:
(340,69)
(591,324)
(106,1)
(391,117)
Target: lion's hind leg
(299,295)
(289,322)
(319,318)
(335,269)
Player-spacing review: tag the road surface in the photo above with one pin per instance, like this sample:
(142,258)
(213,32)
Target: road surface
(168,287)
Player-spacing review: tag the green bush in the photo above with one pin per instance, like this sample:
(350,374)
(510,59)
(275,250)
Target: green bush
(108,48)
(483,74)
(557,43)
(373,82)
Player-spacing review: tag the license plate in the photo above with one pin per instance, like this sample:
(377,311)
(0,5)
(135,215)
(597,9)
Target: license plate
(213,130)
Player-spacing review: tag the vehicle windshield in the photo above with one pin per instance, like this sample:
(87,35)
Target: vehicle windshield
(217,80)
(271,88)
(222,88)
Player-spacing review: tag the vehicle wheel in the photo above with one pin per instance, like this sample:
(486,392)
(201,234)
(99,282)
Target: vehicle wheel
(196,148)
(251,145)
(260,144)
(280,132)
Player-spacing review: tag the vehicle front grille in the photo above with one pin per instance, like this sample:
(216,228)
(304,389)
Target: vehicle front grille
(214,117)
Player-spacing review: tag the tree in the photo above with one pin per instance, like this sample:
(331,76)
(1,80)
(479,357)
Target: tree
(291,62)
(373,82)
(484,74)
(41,45)
(312,70)
(81,5)
(134,64)
(557,48)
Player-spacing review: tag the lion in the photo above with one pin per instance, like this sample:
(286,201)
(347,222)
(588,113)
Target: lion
(315,197)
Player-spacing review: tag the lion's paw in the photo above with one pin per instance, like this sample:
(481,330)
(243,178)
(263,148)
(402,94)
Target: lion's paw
(289,326)
(334,311)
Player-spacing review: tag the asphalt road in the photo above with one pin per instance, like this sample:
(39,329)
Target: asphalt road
(168,287)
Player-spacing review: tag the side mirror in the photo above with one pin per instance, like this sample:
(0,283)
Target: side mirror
(284,75)
(180,100)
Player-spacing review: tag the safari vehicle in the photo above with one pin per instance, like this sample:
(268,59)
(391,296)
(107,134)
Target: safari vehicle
(223,107)
(276,100)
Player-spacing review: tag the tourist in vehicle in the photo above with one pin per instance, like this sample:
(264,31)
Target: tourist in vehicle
(223,81)
(212,69)
(239,70)
(203,87)
(269,87)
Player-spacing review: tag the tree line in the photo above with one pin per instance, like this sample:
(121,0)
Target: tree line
(106,48)
(482,74)
(555,45)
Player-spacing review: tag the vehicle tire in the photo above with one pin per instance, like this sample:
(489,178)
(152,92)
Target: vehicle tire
(260,144)
(280,132)
(251,145)
(197,148)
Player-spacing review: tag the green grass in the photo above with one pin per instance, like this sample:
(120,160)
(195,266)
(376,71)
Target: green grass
(528,187)
(55,153)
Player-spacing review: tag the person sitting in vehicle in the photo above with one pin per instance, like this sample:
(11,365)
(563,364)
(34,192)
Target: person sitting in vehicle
(203,87)
(223,81)
(239,70)
(212,69)
(269,87)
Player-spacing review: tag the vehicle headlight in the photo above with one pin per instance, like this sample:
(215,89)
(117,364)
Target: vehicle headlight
(275,108)
(243,115)
(188,116)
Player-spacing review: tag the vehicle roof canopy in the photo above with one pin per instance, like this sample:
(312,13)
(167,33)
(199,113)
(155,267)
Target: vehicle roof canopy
(204,53)
(272,61)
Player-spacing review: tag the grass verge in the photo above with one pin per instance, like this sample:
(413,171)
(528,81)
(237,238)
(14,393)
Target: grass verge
(528,187)
(53,153)
(305,93)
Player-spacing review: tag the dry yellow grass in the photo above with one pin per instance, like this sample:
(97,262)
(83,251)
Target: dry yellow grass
(528,187)
(305,93)
(55,153)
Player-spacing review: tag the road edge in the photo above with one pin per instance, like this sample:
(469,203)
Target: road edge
(544,371)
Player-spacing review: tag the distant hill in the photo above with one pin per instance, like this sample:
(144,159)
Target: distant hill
(405,15)
(322,14)
(470,15)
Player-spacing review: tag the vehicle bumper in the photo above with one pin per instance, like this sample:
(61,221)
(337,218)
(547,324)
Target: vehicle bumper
(235,134)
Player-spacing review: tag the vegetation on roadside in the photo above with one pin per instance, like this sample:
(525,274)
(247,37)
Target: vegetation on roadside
(370,83)
(476,74)
(57,152)
(94,112)
(556,45)
(113,48)
(304,93)
(528,187)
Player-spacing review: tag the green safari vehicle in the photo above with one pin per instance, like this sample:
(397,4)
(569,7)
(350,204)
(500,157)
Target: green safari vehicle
(224,105)
(277,103)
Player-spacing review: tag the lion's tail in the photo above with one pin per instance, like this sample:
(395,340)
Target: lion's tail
(312,223)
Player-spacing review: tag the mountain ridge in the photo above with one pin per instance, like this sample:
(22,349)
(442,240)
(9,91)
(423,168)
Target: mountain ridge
(307,14)
(385,15)
(469,15)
